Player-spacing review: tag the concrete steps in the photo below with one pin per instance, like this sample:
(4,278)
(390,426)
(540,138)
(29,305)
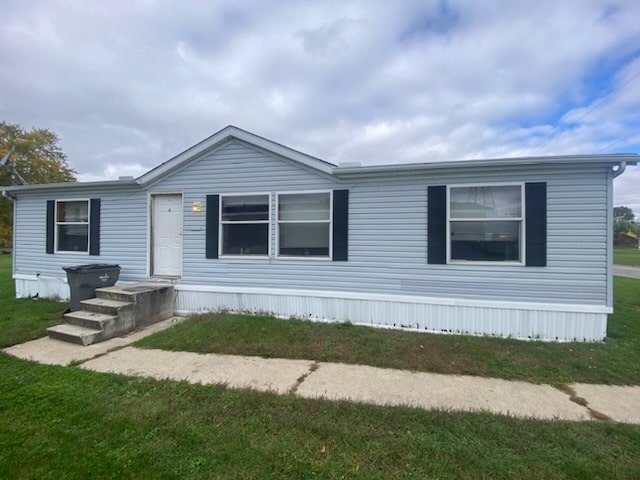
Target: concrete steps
(135,292)
(104,305)
(86,319)
(74,334)
(115,311)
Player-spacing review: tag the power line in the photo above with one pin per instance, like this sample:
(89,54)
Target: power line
(609,145)
(590,111)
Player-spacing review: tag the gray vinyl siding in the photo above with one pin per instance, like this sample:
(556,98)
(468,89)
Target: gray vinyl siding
(123,237)
(238,168)
(576,270)
(387,232)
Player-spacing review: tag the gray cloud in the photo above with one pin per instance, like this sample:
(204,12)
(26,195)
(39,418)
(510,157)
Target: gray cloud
(128,85)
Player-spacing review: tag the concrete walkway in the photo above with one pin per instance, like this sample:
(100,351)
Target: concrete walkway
(626,271)
(334,381)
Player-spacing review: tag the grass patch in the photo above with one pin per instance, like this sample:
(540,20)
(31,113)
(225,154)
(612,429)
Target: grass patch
(23,319)
(65,422)
(626,256)
(615,361)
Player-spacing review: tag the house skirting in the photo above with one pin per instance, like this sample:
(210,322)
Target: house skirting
(39,286)
(530,321)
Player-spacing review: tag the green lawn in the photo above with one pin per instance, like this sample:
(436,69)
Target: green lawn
(65,422)
(615,361)
(626,256)
(23,319)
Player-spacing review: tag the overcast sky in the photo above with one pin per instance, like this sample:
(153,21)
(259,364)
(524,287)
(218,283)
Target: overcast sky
(129,84)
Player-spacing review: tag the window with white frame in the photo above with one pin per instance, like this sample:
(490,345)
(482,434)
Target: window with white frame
(244,223)
(72,226)
(485,223)
(304,224)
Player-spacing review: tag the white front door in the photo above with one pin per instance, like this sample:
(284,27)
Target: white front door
(166,235)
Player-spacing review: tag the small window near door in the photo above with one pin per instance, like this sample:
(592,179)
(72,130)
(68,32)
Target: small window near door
(72,226)
(244,221)
(304,224)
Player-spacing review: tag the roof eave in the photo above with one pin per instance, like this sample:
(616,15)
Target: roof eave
(35,187)
(609,159)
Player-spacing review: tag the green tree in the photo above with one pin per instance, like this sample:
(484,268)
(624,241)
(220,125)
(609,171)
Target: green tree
(623,225)
(38,159)
(623,213)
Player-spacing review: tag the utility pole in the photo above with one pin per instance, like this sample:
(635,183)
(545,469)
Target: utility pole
(6,160)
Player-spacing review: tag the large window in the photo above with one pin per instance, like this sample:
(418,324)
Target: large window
(485,223)
(309,225)
(244,223)
(72,226)
(304,224)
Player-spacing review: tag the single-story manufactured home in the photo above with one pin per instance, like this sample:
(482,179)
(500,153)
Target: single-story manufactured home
(518,247)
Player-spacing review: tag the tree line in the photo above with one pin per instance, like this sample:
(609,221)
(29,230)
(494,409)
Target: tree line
(37,157)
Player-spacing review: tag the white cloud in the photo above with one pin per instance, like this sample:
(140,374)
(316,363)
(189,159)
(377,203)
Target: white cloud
(133,83)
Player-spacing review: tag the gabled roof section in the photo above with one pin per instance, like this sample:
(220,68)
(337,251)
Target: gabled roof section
(232,132)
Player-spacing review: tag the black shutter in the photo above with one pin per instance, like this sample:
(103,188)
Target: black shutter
(94,227)
(51,225)
(437,224)
(535,197)
(213,226)
(340,225)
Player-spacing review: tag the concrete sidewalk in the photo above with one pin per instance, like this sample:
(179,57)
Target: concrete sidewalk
(334,381)
(626,271)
